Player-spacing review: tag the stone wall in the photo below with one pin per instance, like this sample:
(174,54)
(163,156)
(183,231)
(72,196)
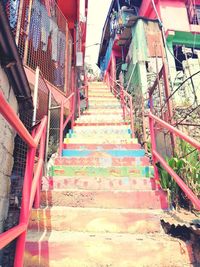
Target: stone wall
(7,135)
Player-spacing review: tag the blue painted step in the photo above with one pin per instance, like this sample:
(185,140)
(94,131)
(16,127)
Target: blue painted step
(113,153)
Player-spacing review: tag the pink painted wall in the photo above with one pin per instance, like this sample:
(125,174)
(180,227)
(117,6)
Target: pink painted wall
(173,14)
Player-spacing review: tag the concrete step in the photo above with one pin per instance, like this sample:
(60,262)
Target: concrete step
(108,162)
(95,220)
(100,135)
(105,130)
(104,153)
(102,94)
(101,127)
(93,119)
(100,140)
(99,147)
(91,171)
(103,117)
(107,112)
(73,249)
(103,99)
(98,183)
(119,199)
(103,105)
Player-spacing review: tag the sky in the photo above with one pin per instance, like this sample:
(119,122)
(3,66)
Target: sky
(97,13)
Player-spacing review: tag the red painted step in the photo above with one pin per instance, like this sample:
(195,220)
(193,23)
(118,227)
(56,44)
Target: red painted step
(101,146)
(101,124)
(108,183)
(90,161)
(105,199)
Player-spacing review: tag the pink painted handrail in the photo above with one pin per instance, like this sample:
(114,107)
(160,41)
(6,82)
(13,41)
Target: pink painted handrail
(158,158)
(31,179)
(63,123)
(14,121)
(125,99)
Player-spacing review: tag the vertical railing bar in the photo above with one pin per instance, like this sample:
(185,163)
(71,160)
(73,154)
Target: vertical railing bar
(61,129)
(48,132)
(35,96)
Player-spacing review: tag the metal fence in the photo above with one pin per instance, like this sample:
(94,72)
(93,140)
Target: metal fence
(43,39)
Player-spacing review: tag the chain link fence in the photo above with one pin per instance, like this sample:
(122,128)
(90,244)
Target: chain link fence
(43,38)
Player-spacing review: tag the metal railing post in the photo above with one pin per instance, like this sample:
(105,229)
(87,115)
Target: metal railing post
(48,131)
(61,129)
(20,246)
(131,117)
(35,96)
(153,148)
(41,157)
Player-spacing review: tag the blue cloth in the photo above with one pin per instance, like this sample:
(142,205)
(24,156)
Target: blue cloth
(59,76)
(45,30)
(61,48)
(35,24)
(14,7)
(54,40)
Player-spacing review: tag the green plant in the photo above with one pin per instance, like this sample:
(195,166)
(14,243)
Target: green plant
(187,165)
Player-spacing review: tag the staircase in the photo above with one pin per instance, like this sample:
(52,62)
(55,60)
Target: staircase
(100,206)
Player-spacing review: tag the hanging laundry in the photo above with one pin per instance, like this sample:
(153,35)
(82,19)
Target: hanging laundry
(45,30)
(61,48)
(14,7)
(59,76)
(48,7)
(54,40)
(35,24)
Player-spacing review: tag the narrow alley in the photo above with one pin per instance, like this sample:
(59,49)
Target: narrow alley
(100,133)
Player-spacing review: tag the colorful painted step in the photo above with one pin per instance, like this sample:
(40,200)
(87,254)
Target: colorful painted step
(99,183)
(104,153)
(100,147)
(98,140)
(102,161)
(91,171)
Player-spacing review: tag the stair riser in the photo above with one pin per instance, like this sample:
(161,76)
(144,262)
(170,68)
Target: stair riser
(94,221)
(106,97)
(107,183)
(105,199)
(99,135)
(114,162)
(99,141)
(101,124)
(105,106)
(102,127)
(99,120)
(104,153)
(146,171)
(91,251)
(101,147)
(105,131)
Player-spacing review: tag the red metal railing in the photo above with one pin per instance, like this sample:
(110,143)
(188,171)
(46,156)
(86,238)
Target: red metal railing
(32,179)
(125,99)
(70,116)
(158,158)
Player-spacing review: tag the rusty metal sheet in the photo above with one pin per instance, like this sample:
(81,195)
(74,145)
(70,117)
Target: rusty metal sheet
(182,217)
